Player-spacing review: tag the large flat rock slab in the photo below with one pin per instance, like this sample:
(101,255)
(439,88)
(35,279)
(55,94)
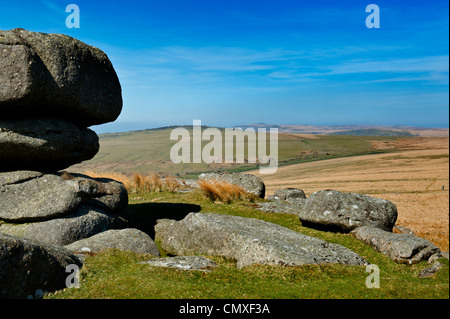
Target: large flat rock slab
(41,198)
(84,222)
(30,196)
(250,241)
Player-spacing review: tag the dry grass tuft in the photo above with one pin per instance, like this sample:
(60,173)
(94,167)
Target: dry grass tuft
(140,183)
(223,192)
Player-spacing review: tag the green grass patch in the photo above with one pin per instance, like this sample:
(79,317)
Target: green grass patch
(117,275)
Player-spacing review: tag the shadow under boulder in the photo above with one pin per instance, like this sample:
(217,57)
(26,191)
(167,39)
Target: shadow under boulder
(145,216)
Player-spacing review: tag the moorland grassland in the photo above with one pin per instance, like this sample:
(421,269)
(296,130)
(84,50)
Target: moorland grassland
(415,178)
(410,172)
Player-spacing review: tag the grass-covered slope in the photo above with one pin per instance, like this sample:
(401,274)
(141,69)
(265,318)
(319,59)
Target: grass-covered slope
(149,151)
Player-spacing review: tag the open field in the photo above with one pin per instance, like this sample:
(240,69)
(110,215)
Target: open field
(415,179)
(148,151)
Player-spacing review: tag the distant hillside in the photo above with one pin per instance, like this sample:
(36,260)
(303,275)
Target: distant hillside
(149,151)
(308,129)
(375,132)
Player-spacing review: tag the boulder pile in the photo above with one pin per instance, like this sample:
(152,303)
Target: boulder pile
(53,87)
(369,219)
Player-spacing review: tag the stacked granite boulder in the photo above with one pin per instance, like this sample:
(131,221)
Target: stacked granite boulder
(52,88)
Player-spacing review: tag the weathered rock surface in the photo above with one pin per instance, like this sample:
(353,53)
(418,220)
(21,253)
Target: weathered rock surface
(105,193)
(430,271)
(27,265)
(52,87)
(249,183)
(161,227)
(44,144)
(287,193)
(287,200)
(335,211)
(56,75)
(282,206)
(15,177)
(37,199)
(128,239)
(85,222)
(182,263)
(41,197)
(402,229)
(251,241)
(402,248)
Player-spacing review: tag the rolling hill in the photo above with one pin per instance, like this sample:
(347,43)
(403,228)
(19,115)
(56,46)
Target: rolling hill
(148,151)
(370,130)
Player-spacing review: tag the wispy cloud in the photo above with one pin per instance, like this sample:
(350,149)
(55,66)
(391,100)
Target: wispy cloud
(433,69)
(236,67)
(420,64)
(53,6)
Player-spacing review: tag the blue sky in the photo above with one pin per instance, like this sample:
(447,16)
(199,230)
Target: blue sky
(233,62)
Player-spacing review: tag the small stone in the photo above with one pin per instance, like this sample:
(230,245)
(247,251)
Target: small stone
(430,271)
(182,263)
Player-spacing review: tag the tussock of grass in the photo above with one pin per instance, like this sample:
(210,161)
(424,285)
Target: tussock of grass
(219,191)
(140,183)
